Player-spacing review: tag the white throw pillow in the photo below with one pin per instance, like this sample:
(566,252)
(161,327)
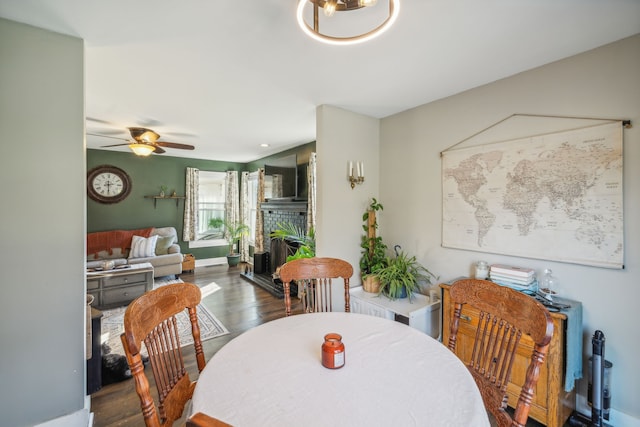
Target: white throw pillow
(143,247)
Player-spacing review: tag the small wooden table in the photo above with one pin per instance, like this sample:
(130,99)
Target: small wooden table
(119,286)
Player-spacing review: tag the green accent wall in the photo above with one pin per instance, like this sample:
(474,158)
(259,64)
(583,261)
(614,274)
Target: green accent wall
(147,175)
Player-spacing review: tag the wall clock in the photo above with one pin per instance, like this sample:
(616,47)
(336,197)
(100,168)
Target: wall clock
(108,184)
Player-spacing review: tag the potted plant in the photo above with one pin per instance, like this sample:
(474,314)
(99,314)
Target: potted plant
(373,257)
(306,241)
(402,276)
(234,230)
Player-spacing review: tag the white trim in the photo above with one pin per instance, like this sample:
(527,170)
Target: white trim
(81,418)
(207,243)
(616,418)
(211,261)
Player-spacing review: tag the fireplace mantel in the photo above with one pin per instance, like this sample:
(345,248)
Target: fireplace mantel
(284,205)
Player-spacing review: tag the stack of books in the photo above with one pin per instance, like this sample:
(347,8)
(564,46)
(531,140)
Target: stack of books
(518,278)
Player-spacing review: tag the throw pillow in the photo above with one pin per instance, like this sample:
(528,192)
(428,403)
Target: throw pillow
(162,245)
(143,247)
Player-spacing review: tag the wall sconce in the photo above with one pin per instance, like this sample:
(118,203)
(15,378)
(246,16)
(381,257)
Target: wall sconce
(355,176)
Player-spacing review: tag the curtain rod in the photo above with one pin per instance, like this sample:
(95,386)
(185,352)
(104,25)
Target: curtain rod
(625,123)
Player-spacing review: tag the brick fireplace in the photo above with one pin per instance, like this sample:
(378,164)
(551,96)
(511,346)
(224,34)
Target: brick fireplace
(277,211)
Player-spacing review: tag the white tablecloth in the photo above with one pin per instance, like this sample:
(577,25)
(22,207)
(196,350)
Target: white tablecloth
(394,375)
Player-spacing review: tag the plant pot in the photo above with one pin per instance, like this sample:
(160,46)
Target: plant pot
(233,260)
(399,294)
(371,283)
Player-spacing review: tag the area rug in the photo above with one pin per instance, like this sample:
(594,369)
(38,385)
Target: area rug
(210,326)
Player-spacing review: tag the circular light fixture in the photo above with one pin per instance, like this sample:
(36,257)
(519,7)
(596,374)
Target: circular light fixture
(334,6)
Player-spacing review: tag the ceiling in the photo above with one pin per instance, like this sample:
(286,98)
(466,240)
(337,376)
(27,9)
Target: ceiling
(227,76)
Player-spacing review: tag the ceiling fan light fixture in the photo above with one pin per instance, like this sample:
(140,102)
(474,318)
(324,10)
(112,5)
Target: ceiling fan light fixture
(143,150)
(336,6)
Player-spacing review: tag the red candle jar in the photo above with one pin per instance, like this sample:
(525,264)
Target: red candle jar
(333,351)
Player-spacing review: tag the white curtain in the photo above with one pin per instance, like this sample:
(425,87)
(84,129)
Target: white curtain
(259,243)
(231,198)
(276,185)
(190,226)
(244,216)
(311,203)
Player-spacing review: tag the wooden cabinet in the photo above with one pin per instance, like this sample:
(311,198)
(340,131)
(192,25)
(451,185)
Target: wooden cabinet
(551,405)
(188,262)
(115,288)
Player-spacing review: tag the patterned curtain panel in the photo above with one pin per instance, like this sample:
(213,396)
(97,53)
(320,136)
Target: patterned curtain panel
(259,214)
(244,215)
(276,186)
(231,202)
(311,181)
(190,227)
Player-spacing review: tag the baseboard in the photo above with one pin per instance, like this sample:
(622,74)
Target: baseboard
(211,261)
(81,418)
(616,418)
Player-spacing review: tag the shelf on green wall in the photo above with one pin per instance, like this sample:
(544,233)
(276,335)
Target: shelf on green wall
(155,199)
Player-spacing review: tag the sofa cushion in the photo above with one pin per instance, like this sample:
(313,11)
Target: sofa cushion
(142,247)
(163,244)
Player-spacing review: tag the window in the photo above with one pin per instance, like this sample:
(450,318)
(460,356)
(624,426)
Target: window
(211,198)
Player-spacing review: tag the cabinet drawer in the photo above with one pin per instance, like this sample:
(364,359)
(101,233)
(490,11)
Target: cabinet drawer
(93,283)
(122,295)
(124,279)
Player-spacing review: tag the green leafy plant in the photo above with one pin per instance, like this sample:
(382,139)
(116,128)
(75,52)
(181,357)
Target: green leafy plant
(293,233)
(373,248)
(234,230)
(402,274)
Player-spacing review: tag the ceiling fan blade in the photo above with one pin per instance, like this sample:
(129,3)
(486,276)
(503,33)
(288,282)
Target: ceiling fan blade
(114,145)
(175,145)
(107,136)
(158,150)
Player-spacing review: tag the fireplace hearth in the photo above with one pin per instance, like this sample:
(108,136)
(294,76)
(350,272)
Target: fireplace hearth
(268,283)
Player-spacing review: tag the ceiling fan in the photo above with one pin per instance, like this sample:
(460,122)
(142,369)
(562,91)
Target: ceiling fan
(145,141)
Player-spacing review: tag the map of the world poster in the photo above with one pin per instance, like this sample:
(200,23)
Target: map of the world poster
(556,196)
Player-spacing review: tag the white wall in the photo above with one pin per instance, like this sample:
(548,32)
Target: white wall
(602,83)
(42,308)
(343,136)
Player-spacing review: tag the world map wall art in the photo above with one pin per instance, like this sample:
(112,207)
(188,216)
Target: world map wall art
(556,196)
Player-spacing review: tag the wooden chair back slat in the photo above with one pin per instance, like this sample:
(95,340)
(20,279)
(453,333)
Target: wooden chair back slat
(504,316)
(314,277)
(151,319)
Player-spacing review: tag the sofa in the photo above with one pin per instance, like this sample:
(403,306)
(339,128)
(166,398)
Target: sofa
(157,246)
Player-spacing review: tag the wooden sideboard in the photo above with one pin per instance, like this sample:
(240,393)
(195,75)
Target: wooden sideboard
(551,405)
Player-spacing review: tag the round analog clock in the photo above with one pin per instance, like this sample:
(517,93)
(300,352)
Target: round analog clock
(108,184)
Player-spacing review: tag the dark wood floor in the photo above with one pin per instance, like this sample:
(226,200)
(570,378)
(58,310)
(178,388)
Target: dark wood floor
(239,305)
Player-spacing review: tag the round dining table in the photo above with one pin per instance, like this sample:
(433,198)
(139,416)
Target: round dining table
(393,375)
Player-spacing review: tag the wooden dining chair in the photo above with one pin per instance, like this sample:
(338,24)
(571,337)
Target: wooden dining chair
(203,420)
(151,318)
(314,276)
(503,315)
